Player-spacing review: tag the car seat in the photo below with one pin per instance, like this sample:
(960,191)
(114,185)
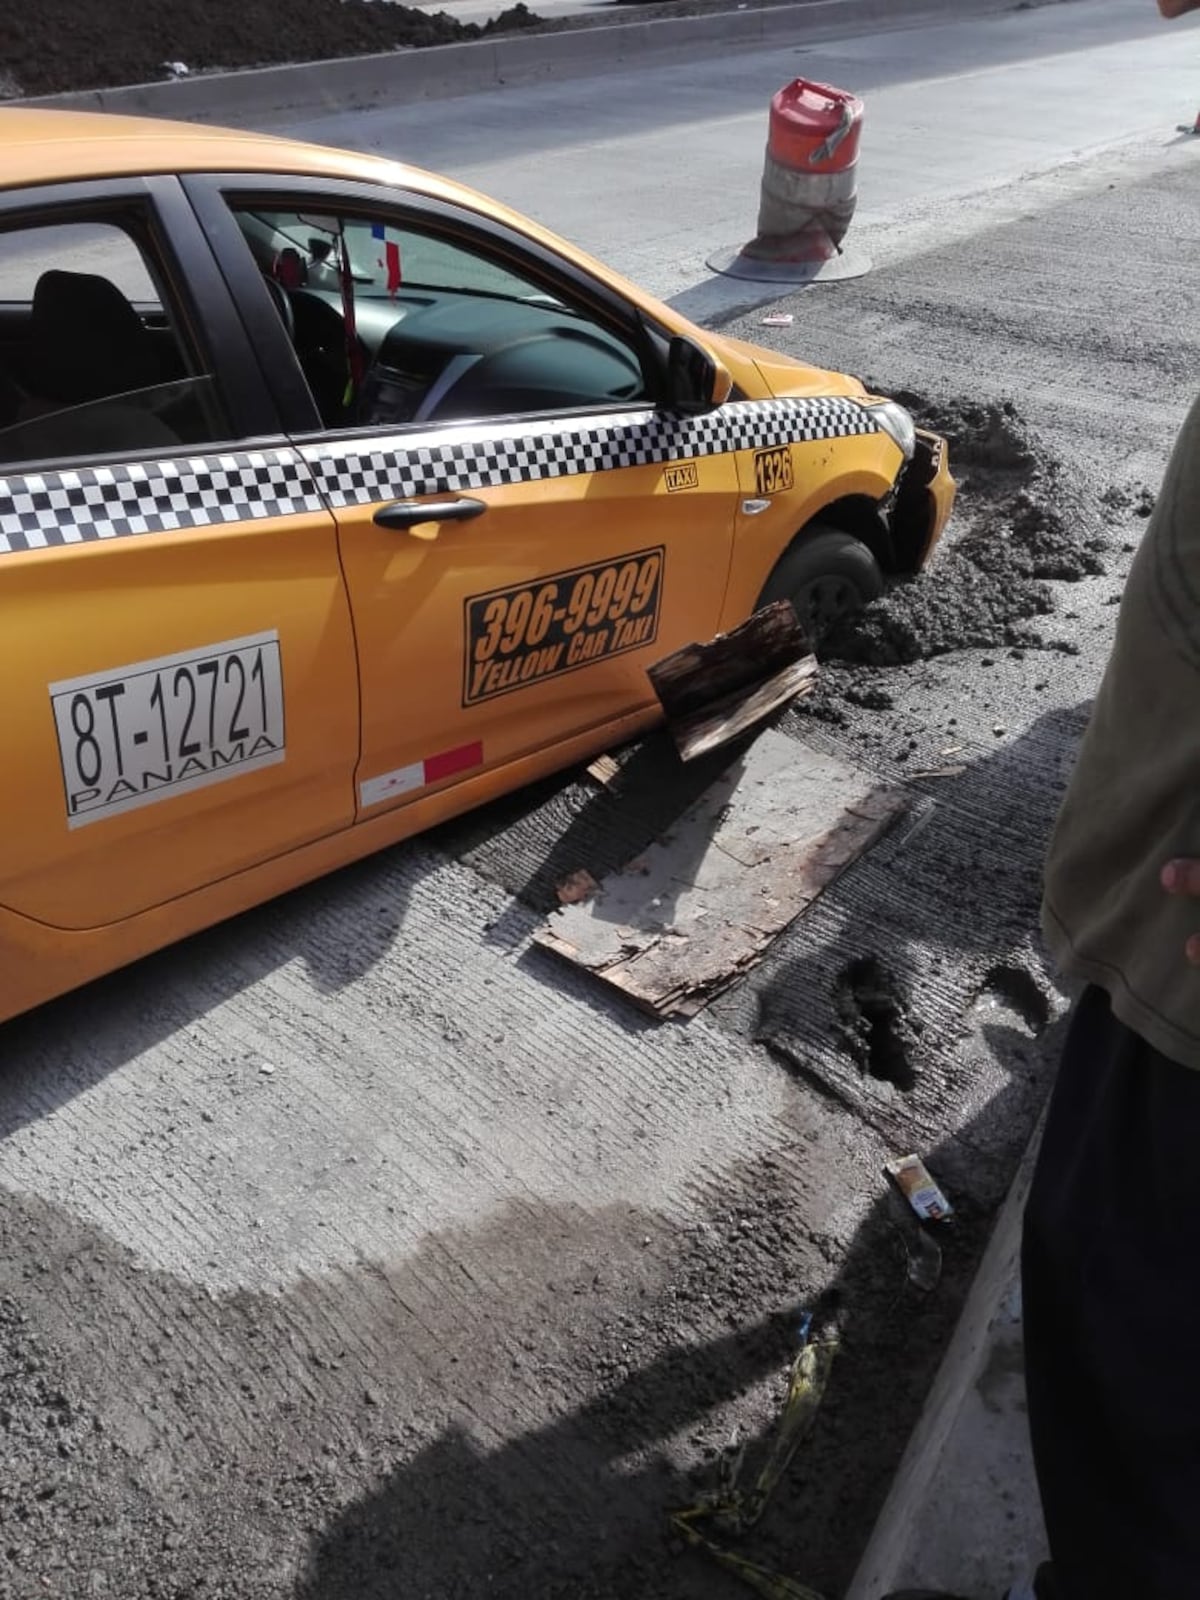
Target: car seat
(87,340)
(87,344)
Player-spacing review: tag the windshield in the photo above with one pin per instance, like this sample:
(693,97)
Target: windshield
(383,258)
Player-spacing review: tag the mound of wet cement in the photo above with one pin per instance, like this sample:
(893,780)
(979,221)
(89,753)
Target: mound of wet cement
(1021,519)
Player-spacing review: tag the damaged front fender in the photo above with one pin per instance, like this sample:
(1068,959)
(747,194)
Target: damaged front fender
(921,505)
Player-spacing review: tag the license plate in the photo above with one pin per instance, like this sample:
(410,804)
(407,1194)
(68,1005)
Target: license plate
(142,733)
(518,637)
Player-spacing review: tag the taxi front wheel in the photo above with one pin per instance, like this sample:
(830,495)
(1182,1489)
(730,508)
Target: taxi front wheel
(826,575)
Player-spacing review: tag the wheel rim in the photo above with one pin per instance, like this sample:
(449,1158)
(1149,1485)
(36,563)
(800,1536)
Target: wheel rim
(825,601)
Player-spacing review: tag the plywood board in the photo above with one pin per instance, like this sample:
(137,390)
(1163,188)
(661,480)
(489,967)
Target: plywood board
(703,902)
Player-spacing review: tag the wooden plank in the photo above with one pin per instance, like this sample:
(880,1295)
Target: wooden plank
(697,675)
(604,770)
(717,724)
(700,906)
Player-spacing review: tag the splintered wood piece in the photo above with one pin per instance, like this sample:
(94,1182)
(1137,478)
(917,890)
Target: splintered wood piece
(732,663)
(603,769)
(717,724)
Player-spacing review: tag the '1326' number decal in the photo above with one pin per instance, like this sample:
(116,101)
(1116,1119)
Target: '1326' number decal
(773,470)
(144,732)
(518,636)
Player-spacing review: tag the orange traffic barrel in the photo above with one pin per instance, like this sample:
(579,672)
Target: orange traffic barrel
(810,176)
(809,189)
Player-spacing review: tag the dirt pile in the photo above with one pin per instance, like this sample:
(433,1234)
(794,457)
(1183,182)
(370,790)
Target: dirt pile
(1022,518)
(78,44)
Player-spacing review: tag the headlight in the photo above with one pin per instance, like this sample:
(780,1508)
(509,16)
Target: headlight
(896,423)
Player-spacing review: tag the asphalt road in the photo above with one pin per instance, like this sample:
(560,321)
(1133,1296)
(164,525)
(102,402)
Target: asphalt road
(472,1286)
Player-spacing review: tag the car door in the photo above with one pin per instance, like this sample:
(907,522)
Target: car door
(180,693)
(522,528)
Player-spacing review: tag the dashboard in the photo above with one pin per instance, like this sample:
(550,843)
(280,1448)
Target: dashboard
(435,355)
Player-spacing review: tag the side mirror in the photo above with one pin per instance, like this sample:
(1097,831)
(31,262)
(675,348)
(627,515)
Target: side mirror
(696,380)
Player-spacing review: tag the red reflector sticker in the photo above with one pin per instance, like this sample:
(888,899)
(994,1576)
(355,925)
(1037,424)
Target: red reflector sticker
(449,762)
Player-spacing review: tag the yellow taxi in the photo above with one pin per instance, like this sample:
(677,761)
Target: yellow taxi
(336,499)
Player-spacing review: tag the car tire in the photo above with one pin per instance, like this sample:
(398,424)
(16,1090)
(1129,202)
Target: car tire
(826,575)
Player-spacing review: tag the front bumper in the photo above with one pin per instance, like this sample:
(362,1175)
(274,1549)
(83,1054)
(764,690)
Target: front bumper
(924,501)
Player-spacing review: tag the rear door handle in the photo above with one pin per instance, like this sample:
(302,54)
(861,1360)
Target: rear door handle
(410,513)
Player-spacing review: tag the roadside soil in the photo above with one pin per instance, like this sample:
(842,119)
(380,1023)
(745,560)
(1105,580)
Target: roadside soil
(57,45)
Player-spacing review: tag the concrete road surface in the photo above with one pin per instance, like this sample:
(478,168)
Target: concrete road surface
(654,170)
(355,1248)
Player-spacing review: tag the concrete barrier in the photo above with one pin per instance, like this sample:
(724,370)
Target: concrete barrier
(912,1499)
(443,71)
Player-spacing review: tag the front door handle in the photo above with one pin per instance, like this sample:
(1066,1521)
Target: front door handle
(410,513)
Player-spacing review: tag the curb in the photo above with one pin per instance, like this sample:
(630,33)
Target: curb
(966,1355)
(443,71)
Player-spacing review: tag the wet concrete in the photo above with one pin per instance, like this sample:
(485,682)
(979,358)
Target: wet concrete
(1022,518)
(392,1309)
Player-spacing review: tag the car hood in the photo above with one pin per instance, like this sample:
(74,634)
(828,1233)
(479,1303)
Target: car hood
(762,372)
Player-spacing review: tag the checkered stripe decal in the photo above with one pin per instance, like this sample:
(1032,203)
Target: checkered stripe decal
(398,466)
(40,509)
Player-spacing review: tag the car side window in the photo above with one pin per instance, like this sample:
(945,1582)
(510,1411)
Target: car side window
(394,325)
(92,357)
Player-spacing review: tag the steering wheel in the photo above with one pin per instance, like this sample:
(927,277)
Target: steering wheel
(447,380)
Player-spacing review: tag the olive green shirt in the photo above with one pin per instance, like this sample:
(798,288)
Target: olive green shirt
(1134,800)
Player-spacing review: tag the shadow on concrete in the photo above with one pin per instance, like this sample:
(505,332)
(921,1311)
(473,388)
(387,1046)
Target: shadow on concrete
(580,1507)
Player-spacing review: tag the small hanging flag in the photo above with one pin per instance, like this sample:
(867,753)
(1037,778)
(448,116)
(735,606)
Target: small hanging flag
(392,251)
(391,256)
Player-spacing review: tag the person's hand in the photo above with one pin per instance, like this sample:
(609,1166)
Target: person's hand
(1176,8)
(1183,877)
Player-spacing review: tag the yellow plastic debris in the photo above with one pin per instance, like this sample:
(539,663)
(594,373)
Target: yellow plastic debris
(732,1511)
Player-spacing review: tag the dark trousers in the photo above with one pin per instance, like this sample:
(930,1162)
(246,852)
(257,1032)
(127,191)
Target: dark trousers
(1111,1282)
